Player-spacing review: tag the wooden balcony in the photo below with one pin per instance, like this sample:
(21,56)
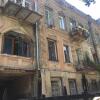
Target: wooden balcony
(15,63)
(21,10)
(79,34)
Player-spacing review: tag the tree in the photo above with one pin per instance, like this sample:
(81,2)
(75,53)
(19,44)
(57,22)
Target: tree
(88,2)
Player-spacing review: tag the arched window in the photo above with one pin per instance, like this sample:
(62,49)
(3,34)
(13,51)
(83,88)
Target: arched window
(15,44)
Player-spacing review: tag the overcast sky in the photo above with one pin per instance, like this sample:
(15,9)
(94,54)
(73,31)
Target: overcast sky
(93,10)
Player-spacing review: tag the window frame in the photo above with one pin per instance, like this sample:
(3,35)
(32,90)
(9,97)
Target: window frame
(70,58)
(56,53)
(73,24)
(62,22)
(14,40)
(75,84)
(59,81)
(49,17)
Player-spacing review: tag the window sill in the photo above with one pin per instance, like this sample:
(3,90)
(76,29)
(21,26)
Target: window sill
(15,56)
(53,60)
(69,63)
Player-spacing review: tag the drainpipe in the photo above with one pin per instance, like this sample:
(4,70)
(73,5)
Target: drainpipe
(37,47)
(36,33)
(92,37)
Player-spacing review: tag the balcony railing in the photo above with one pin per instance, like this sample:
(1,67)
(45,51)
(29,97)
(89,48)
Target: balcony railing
(25,3)
(12,62)
(84,66)
(21,9)
(79,34)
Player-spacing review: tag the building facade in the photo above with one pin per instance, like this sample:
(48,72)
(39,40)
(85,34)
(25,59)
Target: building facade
(43,44)
(66,36)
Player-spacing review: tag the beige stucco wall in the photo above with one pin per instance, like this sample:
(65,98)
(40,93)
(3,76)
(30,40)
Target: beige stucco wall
(60,69)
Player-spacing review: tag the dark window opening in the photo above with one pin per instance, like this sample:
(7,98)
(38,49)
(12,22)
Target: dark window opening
(72,86)
(52,50)
(15,45)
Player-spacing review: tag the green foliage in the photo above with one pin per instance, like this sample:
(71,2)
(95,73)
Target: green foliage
(88,2)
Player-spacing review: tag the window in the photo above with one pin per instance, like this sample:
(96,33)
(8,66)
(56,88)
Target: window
(52,48)
(66,54)
(56,87)
(72,24)
(94,85)
(79,55)
(35,5)
(72,86)
(15,45)
(49,17)
(61,22)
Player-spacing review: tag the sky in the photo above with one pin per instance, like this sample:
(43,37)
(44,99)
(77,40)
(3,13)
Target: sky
(93,10)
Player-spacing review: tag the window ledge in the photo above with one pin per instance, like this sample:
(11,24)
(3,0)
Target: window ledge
(53,60)
(68,63)
(16,56)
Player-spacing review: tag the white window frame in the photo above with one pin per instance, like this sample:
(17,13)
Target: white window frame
(49,18)
(61,22)
(70,53)
(36,5)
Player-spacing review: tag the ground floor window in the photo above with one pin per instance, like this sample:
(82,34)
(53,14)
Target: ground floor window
(72,86)
(56,87)
(93,85)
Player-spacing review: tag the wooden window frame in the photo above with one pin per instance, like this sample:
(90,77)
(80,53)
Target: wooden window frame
(13,47)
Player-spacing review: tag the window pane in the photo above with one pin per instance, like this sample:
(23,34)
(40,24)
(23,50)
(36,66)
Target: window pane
(79,55)
(24,49)
(66,54)
(49,17)
(8,45)
(56,87)
(52,50)
(72,87)
(61,22)
(17,46)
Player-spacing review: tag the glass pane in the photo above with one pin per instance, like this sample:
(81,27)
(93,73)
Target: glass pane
(8,45)
(52,50)
(16,45)
(24,49)
(72,86)
(55,88)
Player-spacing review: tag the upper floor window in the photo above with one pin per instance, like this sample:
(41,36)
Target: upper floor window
(72,24)
(16,45)
(35,5)
(61,22)
(52,48)
(67,54)
(79,55)
(49,17)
